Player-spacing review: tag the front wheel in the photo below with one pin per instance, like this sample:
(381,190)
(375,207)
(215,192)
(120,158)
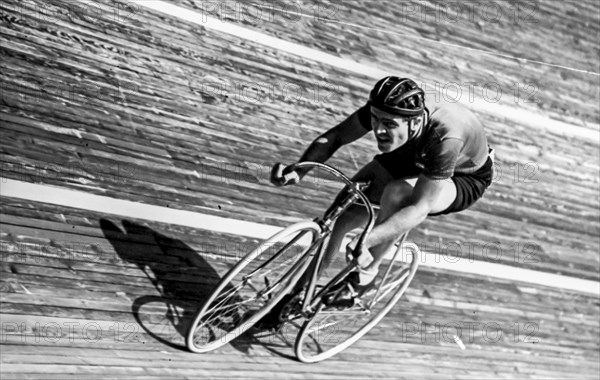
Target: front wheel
(253,286)
(330,330)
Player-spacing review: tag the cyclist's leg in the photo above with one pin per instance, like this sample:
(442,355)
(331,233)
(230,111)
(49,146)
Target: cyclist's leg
(459,193)
(395,197)
(356,216)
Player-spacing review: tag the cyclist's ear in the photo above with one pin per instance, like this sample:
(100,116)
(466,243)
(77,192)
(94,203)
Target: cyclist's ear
(414,123)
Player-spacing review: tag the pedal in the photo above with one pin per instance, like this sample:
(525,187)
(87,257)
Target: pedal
(353,300)
(359,303)
(332,298)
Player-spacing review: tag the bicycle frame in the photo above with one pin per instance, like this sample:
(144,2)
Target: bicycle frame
(353,193)
(303,271)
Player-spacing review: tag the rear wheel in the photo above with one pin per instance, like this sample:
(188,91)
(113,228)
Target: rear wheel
(330,330)
(253,286)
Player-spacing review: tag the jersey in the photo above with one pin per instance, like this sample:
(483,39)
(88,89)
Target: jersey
(452,141)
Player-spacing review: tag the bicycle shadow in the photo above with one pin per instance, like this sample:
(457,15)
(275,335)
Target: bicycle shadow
(182,277)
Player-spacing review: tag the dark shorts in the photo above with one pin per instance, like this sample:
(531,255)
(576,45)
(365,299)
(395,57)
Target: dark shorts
(469,187)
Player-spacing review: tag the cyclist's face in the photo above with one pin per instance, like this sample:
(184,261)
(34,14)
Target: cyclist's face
(391,131)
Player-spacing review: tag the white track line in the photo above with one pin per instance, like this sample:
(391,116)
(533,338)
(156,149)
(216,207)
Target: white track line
(514,113)
(103,204)
(99,203)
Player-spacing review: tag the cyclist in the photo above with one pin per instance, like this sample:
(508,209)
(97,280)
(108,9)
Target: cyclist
(434,160)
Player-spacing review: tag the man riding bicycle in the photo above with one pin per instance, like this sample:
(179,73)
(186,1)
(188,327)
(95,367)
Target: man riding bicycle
(434,161)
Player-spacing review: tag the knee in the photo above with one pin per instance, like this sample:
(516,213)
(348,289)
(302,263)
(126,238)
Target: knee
(397,194)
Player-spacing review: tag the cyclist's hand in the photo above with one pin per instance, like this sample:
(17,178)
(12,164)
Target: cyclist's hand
(362,258)
(282,175)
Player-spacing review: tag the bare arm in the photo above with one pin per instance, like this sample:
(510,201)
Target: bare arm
(324,146)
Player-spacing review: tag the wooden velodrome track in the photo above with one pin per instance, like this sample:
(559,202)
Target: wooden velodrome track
(119,100)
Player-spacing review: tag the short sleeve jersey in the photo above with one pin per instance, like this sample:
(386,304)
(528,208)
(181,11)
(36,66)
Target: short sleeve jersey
(453,141)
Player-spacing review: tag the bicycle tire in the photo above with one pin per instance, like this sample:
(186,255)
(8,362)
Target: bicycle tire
(301,345)
(285,283)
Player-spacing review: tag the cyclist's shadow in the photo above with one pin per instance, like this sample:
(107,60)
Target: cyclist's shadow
(182,277)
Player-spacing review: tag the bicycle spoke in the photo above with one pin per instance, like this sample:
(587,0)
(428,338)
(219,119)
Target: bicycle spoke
(228,295)
(271,270)
(226,308)
(321,327)
(388,288)
(330,330)
(239,303)
(284,248)
(260,294)
(251,286)
(223,300)
(217,324)
(344,312)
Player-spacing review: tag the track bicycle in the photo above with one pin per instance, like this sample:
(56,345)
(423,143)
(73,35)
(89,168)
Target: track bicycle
(263,277)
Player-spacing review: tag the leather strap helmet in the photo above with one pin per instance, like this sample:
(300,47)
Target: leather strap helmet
(398,96)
